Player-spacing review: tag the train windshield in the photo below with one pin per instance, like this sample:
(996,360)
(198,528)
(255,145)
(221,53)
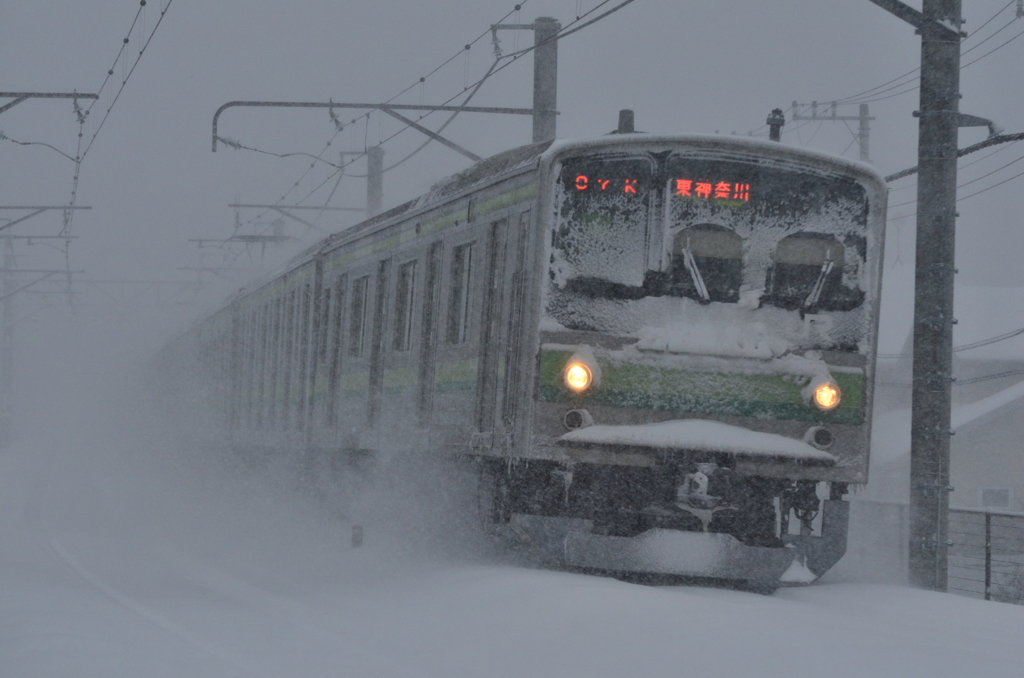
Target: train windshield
(794,238)
(747,232)
(602,237)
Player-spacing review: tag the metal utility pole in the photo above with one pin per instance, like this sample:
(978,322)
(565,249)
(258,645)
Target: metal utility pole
(6,346)
(9,288)
(374,180)
(938,23)
(863,130)
(18,97)
(545,72)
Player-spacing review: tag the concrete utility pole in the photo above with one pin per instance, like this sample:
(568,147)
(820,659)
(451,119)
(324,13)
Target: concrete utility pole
(863,130)
(374,180)
(933,295)
(938,23)
(545,77)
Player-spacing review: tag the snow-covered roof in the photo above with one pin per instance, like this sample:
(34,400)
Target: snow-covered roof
(890,440)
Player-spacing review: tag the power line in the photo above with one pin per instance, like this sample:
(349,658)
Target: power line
(895,82)
(961,167)
(967,183)
(996,49)
(124,81)
(510,58)
(989,188)
(4,137)
(339,127)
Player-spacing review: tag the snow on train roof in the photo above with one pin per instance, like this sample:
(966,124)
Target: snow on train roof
(520,157)
(688,434)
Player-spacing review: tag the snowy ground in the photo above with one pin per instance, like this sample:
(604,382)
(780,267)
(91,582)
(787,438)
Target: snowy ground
(122,556)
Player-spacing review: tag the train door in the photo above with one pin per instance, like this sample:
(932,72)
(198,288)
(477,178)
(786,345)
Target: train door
(334,355)
(514,373)
(428,334)
(490,326)
(377,337)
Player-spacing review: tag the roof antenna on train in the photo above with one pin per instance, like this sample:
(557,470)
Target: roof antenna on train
(775,122)
(625,122)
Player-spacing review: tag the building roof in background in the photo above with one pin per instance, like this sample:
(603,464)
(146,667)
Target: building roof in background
(889,475)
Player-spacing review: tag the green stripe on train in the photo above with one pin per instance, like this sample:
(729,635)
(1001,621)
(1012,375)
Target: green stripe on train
(764,396)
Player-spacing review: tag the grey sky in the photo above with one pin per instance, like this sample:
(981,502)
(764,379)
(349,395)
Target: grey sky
(685,67)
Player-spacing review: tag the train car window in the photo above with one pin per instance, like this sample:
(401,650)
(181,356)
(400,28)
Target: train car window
(602,233)
(706,264)
(357,317)
(406,288)
(459,300)
(807,274)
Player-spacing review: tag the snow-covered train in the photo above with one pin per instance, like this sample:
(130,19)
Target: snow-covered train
(658,351)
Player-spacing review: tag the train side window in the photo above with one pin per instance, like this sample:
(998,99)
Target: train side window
(404,294)
(458,301)
(357,317)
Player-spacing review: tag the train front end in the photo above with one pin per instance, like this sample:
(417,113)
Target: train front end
(706,345)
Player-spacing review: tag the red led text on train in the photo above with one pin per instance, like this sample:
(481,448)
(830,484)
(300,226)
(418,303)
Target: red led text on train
(583,183)
(721,190)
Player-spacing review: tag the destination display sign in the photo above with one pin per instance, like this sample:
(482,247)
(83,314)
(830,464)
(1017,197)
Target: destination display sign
(597,184)
(711,190)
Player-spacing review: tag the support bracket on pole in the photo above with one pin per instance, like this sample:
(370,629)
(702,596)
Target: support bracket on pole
(22,96)
(914,17)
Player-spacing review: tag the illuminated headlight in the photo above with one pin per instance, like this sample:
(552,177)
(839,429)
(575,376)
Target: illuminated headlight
(827,396)
(578,377)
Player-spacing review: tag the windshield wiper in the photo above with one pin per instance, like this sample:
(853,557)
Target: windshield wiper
(826,268)
(698,280)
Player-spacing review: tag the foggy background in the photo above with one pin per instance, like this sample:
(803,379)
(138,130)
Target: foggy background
(96,463)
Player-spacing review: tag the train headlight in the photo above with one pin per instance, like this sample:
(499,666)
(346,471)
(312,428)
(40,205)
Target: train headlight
(578,377)
(827,396)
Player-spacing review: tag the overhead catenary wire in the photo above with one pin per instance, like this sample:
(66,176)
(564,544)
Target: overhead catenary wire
(4,137)
(961,167)
(965,197)
(365,117)
(976,344)
(508,60)
(121,55)
(896,83)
